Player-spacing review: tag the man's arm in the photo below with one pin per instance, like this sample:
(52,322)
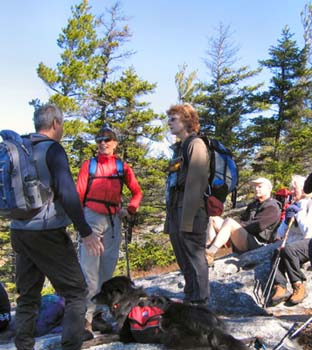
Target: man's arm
(133,185)
(65,189)
(196,182)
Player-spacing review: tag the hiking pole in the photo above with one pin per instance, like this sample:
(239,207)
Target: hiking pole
(268,286)
(291,333)
(127,241)
(281,343)
(300,328)
(128,223)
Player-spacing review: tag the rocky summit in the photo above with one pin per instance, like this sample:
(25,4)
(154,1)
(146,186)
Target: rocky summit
(236,286)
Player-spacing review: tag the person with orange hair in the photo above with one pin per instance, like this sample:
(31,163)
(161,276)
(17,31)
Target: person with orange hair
(187,219)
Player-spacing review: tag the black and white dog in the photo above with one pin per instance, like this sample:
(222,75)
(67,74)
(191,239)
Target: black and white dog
(182,326)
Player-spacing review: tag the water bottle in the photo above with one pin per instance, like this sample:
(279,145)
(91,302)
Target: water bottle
(33,194)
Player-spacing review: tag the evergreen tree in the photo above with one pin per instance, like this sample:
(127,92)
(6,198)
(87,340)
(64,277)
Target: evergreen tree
(185,84)
(135,122)
(89,87)
(225,100)
(70,81)
(282,137)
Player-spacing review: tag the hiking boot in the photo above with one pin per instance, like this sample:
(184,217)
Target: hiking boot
(210,258)
(100,325)
(280,294)
(87,334)
(298,294)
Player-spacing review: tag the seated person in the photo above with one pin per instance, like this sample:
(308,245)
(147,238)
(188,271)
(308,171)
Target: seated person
(5,309)
(255,228)
(296,251)
(301,229)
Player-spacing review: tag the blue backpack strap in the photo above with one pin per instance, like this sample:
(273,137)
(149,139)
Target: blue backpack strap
(91,173)
(92,167)
(120,171)
(119,167)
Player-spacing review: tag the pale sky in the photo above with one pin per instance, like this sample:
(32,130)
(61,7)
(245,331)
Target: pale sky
(166,34)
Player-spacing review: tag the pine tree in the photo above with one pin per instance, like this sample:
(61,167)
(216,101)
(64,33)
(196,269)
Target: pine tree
(225,99)
(282,136)
(185,84)
(89,87)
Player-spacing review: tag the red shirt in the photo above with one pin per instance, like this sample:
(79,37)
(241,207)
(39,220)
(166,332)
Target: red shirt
(108,189)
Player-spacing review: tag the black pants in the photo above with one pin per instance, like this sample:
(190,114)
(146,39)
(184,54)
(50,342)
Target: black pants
(50,254)
(292,257)
(189,249)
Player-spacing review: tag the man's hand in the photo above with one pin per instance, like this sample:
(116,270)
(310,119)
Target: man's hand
(93,244)
(291,212)
(124,214)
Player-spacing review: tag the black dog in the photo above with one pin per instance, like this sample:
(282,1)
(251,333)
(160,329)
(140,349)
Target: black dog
(182,326)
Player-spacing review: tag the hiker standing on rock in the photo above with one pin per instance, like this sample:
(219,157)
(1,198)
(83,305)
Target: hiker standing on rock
(99,186)
(255,228)
(42,246)
(295,252)
(186,220)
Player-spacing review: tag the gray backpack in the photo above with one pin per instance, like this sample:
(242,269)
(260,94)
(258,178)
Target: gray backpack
(22,194)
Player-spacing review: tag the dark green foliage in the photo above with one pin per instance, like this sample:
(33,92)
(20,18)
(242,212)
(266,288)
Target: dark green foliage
(280,138)
(7,257)
(151,251)
(269,132)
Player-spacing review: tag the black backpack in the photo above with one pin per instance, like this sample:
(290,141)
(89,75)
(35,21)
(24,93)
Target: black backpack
(223,178)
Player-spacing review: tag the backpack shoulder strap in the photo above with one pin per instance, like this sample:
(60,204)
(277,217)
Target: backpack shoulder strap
(91,173)
(92,168)
(120,172)
(120,167)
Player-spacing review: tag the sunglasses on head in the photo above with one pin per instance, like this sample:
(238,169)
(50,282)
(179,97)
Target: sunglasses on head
(99,139)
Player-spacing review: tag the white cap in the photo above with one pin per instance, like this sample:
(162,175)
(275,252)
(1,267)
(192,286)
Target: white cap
(262,180)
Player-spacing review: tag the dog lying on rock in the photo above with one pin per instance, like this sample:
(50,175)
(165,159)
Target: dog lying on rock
(174,324)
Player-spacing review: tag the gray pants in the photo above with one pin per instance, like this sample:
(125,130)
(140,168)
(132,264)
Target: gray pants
(98,269)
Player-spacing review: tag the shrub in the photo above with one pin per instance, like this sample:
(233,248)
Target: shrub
(144,254)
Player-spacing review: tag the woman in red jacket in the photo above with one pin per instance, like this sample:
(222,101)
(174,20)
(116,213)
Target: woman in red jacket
(101,198)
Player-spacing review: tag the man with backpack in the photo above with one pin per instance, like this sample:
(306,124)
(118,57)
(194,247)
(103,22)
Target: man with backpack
(42,246)
(99,186)
(255,228)
(187,218)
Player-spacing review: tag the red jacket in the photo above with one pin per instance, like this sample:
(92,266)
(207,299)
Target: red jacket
(108,189)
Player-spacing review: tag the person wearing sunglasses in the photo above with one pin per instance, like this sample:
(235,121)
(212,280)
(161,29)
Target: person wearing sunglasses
(101,195)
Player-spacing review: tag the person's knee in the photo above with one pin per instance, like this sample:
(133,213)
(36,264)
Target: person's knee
(232,225)
(287,251)
(216,222)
